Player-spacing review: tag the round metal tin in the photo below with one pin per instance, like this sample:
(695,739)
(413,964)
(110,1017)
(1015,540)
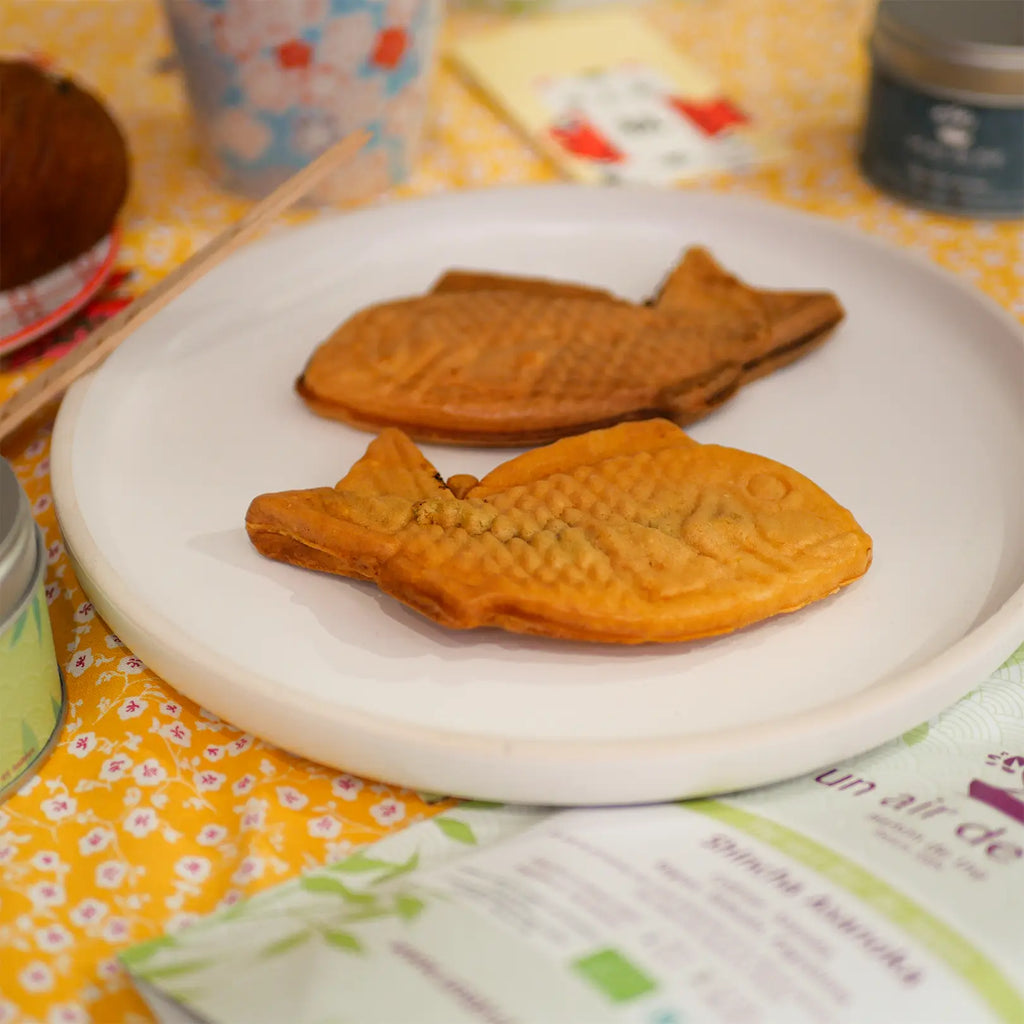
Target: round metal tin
(945,117)
(32,695)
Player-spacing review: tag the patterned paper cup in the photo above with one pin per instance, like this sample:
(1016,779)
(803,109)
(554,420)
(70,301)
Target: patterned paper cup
(272,83)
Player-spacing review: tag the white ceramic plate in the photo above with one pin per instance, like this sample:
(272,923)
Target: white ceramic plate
(912,416)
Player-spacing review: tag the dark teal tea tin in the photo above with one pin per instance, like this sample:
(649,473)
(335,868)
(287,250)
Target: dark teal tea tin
(945,118)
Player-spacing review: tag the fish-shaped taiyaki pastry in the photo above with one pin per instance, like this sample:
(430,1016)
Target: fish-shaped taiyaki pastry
(629,534)
(490,360)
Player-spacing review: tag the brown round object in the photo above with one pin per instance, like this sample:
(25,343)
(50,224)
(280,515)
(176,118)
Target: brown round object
(63,172)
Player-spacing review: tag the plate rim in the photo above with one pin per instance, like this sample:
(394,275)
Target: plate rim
(906,698)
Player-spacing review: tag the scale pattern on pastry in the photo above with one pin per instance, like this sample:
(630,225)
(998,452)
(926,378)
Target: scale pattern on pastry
(485,359)
(629,534)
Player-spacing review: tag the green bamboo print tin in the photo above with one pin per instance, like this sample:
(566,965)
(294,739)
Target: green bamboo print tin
(31,687)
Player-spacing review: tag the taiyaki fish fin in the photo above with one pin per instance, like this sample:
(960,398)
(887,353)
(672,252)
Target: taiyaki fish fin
(458,280)
(395,466)
(350,528)
(582,450)
(698,281)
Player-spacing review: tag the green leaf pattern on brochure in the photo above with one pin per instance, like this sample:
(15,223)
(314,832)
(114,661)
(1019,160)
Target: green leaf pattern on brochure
(431,798)
(457,830)
(327,884)
(321,910)
(182,967)
(139,954)
(394,871)
(289,942)
(408,907)
(342,940)
(359,861)
(914,736)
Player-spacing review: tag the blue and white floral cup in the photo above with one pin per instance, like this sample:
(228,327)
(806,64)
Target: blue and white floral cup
(272,83)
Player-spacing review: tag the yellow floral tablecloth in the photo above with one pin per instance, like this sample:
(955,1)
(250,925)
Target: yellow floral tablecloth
(151,811)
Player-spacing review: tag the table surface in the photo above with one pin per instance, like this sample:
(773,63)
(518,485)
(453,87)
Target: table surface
(150,811)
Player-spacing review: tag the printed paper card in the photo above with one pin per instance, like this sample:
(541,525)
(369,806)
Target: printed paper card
(881,888)
(610,101)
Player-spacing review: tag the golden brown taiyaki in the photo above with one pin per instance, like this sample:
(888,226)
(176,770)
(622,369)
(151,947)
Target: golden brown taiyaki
(490,360)
(629,534)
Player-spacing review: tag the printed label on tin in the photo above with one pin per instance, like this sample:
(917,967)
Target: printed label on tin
(31,697)
(944,154)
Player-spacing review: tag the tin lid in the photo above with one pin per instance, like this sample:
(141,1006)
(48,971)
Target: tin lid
(17,544)
(970,47)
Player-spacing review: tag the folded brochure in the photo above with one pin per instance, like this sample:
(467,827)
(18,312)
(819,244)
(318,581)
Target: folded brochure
(883,888)
(609,100)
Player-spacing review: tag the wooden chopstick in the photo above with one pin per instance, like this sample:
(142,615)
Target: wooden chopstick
(51,384)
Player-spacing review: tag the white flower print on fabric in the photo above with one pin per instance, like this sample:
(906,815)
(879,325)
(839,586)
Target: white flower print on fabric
(289,796)
(81,744)
(177,733)
(87,912)
(131,665)
(53,938)
(116,767)
(346,786)
(211,835)
(95,840)
(132,708)
(254,814)
(324,827)
(249,869)
(57,808)
(236,747)
(116,930)
(68,1013)
(110,969)
(44,860)
(181,920)
(207,780)
(149,773)
(110,874)
(79,662)
(84,612)
(243,785)
(388,812)
(36,977)
(337,851)
(192,868)
(46,894)
(141,822)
